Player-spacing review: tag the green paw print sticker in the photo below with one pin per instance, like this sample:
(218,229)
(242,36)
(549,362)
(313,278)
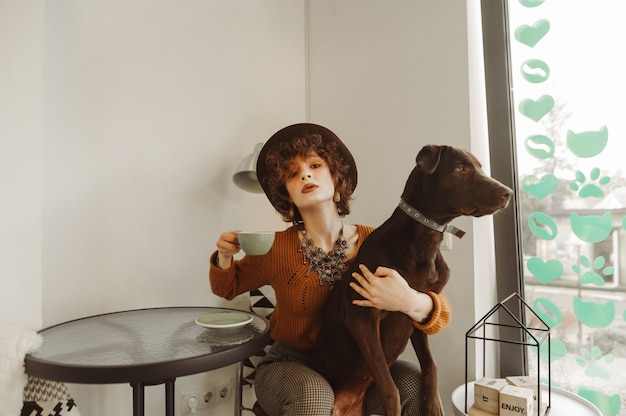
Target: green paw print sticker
(589,189)
(591,276)
(591,361)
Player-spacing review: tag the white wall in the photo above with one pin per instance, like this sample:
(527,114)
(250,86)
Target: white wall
(148,108)
(21,160)
(127,138)
(390,77)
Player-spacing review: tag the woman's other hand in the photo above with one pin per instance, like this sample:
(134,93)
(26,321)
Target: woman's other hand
(227,247)
(386,289)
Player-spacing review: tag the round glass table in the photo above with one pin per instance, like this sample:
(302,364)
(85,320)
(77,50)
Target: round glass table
(145,347)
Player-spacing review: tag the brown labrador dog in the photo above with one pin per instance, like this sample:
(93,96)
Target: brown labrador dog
(357,345)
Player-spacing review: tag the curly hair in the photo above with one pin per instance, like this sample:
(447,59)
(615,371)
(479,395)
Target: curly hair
(277,160)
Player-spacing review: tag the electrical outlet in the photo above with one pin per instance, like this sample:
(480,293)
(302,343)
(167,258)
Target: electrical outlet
(224,391)
(190,402)
(195,400)
(209,395)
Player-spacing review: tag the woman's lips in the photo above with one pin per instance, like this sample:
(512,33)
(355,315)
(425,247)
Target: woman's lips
(308,188)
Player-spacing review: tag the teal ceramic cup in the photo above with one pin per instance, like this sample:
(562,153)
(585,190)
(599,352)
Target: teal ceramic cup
(255,243)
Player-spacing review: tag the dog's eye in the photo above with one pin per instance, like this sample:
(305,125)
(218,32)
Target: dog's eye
(460,168)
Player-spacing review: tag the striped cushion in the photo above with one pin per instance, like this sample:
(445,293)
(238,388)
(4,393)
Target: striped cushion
(45,397)
(262,303)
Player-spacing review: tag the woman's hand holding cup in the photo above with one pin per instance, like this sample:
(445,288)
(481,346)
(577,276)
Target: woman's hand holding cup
(227,247)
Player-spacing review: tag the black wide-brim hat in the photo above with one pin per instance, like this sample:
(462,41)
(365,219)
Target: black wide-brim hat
(299,130)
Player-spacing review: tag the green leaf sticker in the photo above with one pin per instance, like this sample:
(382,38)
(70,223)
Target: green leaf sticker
(536,109)
(587,143)
(594,362)
(539,146)
(531,35)
(545,271)
(535,71)
(548,312)
(608,405)
(594,314)
(540,188)
(592,228)
(542,226)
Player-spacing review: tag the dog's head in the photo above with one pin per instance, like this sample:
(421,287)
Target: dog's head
(448,182)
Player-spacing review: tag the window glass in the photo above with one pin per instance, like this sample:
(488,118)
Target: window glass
(569,91)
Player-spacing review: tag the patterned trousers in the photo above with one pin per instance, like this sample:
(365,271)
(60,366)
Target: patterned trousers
(285,386)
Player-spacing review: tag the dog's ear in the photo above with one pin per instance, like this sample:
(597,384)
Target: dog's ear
(428,158)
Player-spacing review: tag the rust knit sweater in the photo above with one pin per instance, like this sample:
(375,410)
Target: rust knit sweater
(300,299)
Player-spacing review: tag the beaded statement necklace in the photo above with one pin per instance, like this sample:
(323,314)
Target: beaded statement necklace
(328,266)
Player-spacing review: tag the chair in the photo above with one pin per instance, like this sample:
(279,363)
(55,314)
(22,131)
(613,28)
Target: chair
(262,302)
(45,397)
(32,395)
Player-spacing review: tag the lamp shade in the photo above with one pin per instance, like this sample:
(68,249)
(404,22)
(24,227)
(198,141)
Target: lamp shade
(245,174)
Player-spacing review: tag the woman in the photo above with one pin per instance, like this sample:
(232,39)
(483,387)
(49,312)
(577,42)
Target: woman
(309,176)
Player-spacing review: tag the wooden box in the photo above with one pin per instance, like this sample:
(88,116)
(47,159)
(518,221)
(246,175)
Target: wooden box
(487,393)
(516,401)
(475,411)
(527,383)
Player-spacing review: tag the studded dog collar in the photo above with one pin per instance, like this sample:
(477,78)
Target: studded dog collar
(419,217)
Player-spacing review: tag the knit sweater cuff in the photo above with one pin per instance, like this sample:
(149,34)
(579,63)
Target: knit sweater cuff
(439,317)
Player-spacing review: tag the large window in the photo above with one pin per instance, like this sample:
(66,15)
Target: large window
(567,119)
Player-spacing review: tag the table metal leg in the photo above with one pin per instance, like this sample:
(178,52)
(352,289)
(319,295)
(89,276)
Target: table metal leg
(238,387)
(138,399)
(169,397)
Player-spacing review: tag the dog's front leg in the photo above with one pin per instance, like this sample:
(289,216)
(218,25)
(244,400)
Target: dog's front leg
(432,404)
(365,327)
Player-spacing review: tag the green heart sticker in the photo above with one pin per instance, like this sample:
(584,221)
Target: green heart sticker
(540,188)
(545,271)
(588,143)
(536,109)
(531,35)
